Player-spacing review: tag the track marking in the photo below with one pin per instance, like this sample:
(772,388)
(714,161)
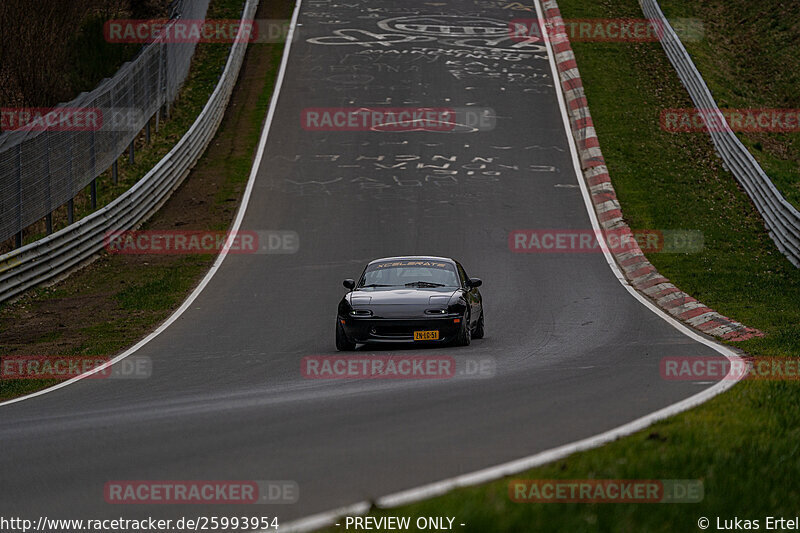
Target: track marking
(223,254)
(513,467)
(488,474)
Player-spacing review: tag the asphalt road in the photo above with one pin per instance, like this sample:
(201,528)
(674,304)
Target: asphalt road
(575,353)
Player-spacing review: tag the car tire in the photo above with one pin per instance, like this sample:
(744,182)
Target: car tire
(464,334)
(343,344)
(479,332)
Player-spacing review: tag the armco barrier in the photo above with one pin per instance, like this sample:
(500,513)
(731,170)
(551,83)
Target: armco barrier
(782,218)
(57,254)
(42,169)
(634,265)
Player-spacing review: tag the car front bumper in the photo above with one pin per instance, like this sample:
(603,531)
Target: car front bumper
(364,330)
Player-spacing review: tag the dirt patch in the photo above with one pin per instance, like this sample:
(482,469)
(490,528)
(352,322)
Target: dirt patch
(117,299)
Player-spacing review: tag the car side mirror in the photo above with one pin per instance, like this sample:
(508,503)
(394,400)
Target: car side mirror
(349,284)
(474,283)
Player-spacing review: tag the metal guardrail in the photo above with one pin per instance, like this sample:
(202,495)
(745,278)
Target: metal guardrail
(782,219)
(42,169)
(56,255)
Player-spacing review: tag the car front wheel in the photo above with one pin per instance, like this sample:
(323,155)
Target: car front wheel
(464,334)
(479,332)
(343,344)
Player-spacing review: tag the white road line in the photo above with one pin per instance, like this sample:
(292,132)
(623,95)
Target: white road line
(496,472)
(317,521)
(223,254)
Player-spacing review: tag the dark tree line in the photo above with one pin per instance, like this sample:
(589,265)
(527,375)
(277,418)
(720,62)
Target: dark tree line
(43,43)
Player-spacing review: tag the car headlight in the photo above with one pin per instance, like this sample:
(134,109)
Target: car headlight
(456,304)
(360,312)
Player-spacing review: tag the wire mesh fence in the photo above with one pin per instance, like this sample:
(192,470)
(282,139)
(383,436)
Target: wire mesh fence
(47,162)
(58,254)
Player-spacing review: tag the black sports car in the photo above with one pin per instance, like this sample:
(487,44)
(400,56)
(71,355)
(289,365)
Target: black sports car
(410,299)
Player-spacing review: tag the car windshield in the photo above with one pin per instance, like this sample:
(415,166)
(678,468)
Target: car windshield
(418,273)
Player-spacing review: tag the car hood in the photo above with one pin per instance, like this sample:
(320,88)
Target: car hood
(400,296)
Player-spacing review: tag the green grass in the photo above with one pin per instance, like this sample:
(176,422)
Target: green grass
(743,449)
(749,60)
(675,180)
(743,445)
(135,297)
(163,287)
(207,66)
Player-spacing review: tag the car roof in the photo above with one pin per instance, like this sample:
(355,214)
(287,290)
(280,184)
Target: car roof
(413,258)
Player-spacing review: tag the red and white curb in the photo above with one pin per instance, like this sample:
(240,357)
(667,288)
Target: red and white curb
(637,269)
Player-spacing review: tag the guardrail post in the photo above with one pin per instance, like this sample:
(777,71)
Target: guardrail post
(132,158)
(70,211)
(49,178)
(18,235)
(93,153)
(160,88)
(48,222)
(93,158)
(147,132)
(114,172)
(92,239)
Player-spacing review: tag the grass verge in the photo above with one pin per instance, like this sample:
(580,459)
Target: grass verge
(113,302)
(749,59)
(207,66)
(743,445)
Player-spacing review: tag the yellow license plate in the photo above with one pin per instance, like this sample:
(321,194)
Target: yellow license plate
(432,335)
